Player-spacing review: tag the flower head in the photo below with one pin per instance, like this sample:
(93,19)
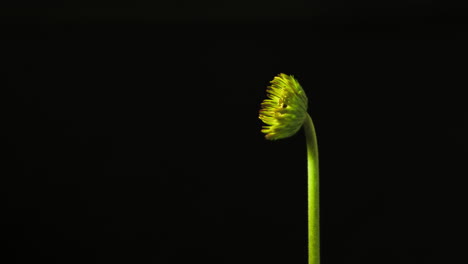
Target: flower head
(285,109)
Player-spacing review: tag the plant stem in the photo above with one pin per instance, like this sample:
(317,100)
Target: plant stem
(312,192)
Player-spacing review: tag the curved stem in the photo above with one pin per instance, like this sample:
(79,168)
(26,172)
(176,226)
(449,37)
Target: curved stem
(312,192)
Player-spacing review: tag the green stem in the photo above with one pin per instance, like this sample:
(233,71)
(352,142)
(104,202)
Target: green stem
(312,192)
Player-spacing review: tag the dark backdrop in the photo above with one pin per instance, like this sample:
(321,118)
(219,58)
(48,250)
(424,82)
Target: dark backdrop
(132,134)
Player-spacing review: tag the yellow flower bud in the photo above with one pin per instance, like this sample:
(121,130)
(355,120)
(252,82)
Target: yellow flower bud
(285,109)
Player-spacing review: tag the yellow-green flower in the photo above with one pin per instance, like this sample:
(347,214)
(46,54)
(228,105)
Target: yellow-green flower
(285,109)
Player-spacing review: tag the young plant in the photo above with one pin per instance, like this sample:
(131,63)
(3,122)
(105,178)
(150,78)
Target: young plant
(284,112)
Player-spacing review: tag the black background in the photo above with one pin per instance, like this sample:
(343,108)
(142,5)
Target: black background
(132,134)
